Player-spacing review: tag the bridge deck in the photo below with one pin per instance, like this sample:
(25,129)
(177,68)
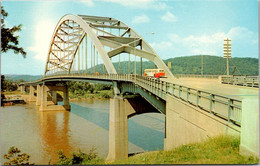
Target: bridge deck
(212,85)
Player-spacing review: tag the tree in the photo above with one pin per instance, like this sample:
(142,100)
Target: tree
(8,40)
(16,158)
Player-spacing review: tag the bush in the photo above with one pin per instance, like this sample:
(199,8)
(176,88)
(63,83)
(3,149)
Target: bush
(15,158)
(105,95)
(77,158)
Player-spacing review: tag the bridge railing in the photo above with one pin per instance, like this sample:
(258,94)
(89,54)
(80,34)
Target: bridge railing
(252,81)
(222,106)
(196,76)
(219,105)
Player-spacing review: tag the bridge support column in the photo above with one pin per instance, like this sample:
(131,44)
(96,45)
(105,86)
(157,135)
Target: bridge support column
(249,137)
(43,95)
(38,98)
(31,94)
(54,97)
(118,130)
(66,103)
(22,88)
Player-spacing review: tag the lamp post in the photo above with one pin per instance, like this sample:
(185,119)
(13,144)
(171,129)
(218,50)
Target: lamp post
(227,51)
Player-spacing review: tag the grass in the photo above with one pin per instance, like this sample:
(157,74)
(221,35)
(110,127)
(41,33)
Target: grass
(219,150)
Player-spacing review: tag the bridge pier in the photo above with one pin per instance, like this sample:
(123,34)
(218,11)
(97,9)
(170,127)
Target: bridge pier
(31,93)
(66,103)
(43,95)
(22,88)
(38,98)
(54,97)
(118,128)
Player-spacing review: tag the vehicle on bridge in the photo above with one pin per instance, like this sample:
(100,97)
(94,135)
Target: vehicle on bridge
(154,73)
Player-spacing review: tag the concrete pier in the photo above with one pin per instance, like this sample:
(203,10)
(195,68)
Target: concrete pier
(31,94)
(66,103)
(43,95)
(54,97)
(118,128)
(38,98)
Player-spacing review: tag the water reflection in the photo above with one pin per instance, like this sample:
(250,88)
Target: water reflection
(55,133)
(146,137)
(42,134)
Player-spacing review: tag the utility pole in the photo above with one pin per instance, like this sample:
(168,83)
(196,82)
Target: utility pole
(227,51)
(201,64)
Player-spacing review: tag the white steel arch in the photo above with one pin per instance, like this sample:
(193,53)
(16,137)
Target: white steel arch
(71,30)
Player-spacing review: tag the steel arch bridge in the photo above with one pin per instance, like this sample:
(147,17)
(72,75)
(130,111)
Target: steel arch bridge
(79,39)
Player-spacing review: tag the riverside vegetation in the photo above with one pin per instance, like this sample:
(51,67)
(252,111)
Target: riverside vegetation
(217,150)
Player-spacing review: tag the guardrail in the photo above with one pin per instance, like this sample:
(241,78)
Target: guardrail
(251,81)
(224,107)
(196,76)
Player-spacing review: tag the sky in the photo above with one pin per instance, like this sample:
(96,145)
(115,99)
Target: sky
(173,28)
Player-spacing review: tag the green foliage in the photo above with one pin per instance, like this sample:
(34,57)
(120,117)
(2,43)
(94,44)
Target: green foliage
(80,88)
(16,158)
(7,85)
(105,95)
(8,40)
(78,158)
(100,87)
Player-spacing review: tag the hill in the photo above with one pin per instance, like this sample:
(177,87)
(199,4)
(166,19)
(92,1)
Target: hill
(15,77)
(213,65)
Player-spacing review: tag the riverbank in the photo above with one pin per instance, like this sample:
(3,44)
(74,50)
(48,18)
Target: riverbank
(218,150)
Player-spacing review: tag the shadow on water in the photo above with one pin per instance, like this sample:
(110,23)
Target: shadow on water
(142,136)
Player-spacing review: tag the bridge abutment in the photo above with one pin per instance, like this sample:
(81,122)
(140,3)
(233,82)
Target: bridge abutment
(249,138)
(187,124)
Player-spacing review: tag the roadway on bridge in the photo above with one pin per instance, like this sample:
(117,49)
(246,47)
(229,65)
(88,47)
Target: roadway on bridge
(213,86)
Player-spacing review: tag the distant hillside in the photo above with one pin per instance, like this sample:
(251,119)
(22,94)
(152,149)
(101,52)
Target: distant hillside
(213,65)
(11,77)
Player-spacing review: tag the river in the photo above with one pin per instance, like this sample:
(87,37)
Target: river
(42,134)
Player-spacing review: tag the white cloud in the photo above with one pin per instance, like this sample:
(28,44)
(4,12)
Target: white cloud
(88,3)
(141,19)
(143,4)
(169,17)
(244,44)
(42,38)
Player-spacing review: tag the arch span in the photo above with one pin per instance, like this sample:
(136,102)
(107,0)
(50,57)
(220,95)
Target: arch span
(102,32)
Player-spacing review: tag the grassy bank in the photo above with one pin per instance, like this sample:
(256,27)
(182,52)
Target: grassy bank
(219,150)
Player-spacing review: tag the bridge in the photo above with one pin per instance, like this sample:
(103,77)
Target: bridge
(83,48)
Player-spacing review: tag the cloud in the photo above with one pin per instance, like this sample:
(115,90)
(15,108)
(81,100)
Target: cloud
(140,19)
(169,17)
(42,38)
(143,4)
(244,44)
(88,3)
